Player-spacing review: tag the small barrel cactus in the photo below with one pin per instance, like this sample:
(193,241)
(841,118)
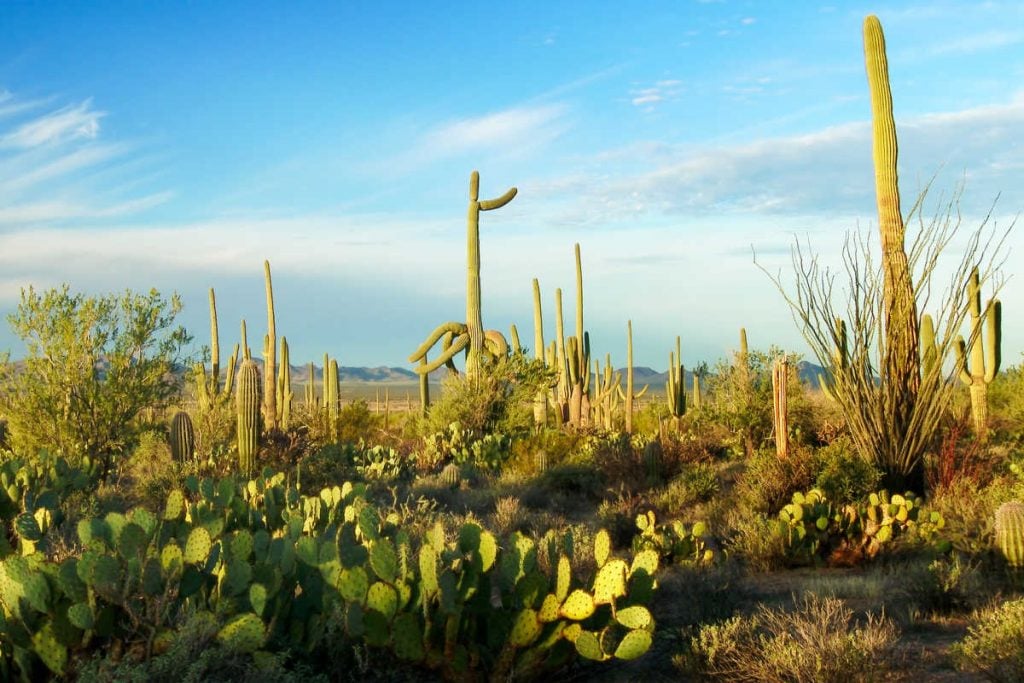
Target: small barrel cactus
(182,437)
(451,475)
(1010,532)
(652,459)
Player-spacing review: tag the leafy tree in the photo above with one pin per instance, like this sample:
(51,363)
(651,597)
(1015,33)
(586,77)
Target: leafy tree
(92,365)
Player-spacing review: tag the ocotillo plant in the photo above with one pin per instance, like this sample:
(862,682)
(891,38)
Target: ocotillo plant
(840,358)
(675,387)
(780,413)
(540,401)
(471,333)
(208,389)
(270,413)
(285,395)
(247,402)
(983,365)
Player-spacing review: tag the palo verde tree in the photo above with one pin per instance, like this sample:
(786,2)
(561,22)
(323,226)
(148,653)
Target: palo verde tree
(91,365)
(891,400)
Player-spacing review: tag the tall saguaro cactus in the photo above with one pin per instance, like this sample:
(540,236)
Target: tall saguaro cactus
(540,402)
(285,395)
(629,376)
(983,365)
(247,402)
(578,359)
(675,387)
(900,363)
(269,357)
(780,405)
(209,389)
(469,335)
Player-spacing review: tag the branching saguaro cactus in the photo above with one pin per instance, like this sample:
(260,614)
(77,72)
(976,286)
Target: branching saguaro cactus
(675,387)
(983,366)
(780,405)
(270,412)
(578,359)
(563,390)
(247,403)
(608,395)
(471,334)
(208,388)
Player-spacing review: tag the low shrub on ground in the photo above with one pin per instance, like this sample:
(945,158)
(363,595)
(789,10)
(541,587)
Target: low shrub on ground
(994,645)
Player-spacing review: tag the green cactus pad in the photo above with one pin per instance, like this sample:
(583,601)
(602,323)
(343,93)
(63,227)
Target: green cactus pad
(407,636)
(131,541)
(636,643)
(49,649)
(106,576)
(244,633)
(354,620)
(28,528)
(530,589)
(563,577)
(602,547)
(384,560)
(578,606)
(588,645)
(306,551)
(549,608)
(376,630)
(152,578)
(610,582)
(171,559)
(646,560)
(80,616)
(435,537)
(69,582)
(241,545)
(237,578)
(571,632)
(488,550)
(635,617)
(382,598)
(198,545)
(525,629)
(258,598)
(428,569)
(369,523)
(353,584)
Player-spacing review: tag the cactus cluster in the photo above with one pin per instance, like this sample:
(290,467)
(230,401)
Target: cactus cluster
(676,542)
(980,367)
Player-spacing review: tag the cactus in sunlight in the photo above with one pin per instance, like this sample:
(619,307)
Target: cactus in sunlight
(780,405)
(979,369)
(900,362)
(285,395)
(247,403)
(310,388)
(246,351)
(697,400)
(1010,532)
(629,377)
(562,389)
(675,387)
(540,401)
(331,400)
(577,358)
(270,413)
(424,388)
(929,347)
(209,390)
(471,334)
(607,396)
(182,437)
(840,358)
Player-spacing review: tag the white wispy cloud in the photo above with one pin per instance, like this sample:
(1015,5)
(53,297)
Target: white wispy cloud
(661,91)
(69,123)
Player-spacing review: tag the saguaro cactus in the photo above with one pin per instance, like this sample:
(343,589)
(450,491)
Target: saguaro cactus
(540,401)
(780,405)
(900,362)
(285,395)
(470,334)
(247,403)
(270,415)
(578,359)
(1010,532)
(182,437)
(983,366)
(629,376)
(209,389)
(675,388)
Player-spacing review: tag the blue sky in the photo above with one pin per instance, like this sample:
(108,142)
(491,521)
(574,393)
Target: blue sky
(176,146)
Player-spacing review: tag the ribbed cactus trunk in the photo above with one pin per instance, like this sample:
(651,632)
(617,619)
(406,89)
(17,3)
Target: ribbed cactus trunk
(540,401)
(629,377)
(675,387)
(780,406)
(247,403)
(985,354)
(270,357)
(285,395)
(563,389)
(696,392)
(1010,532)
(474,316)
(209,389)
(332,399)
(182,437)
(424,389)
(900,362)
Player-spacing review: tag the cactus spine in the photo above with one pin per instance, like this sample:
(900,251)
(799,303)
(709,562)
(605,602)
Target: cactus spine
(540,401)
(780,374)
(675,387)
(1010,532)
(182,437)
(983,365)
(900,363)
(247,403)
(270,357)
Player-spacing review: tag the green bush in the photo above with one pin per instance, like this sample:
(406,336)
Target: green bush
(994,645)
(769,482)
(843,474)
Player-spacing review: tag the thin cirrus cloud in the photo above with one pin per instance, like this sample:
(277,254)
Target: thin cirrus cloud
(55,167)
(647,97)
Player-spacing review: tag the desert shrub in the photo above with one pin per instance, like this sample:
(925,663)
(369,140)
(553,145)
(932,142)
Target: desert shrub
(149,470)
(944,585)
(697,483)
(818,641)
(994,645)
(356,422)
(970,511)
(509,515)
(768,482)
(555,444)
(843,474)
(697,594)
(757,541)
